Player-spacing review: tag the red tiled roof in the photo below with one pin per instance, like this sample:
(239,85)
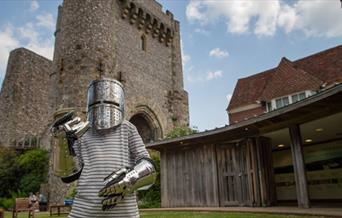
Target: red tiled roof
(289,77)
(286,80)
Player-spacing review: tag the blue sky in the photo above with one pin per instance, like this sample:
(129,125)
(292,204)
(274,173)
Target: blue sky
(222,41)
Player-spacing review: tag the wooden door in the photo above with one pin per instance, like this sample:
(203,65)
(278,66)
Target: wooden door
(245,173)
(232,176)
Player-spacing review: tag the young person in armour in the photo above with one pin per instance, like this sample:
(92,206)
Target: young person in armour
(113,158)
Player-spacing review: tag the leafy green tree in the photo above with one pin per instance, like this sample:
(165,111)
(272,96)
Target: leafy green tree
(9,172)
(181,131)
(151,197)
(21,173)
(33,165)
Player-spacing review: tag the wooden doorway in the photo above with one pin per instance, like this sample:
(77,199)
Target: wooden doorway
(245,176)
(232,174)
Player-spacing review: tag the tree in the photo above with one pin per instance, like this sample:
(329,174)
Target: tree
(181,131)
(21,174)
(9,172)
(33,165)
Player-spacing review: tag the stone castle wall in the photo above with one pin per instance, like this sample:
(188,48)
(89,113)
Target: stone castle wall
(24,97)
(150,76)
(99,38)
(95,39)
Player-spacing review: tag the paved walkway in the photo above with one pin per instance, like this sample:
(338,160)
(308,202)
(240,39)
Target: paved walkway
(316,211)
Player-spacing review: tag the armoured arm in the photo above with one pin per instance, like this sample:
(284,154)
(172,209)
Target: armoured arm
(72,128)
(126,181)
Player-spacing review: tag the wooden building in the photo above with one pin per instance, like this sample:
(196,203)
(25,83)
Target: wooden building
(271,154)
(234,165)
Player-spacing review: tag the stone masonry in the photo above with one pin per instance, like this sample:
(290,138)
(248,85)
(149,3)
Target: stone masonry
(24,98)
(99,38)
(133,41)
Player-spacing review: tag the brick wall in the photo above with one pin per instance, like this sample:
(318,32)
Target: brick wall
(247,114)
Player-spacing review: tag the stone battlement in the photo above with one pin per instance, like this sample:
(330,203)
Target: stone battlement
(161,26)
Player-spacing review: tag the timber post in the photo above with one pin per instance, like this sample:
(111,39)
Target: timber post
(299,167)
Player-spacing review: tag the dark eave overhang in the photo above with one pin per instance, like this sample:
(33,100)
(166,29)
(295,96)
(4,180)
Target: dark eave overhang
(322,104)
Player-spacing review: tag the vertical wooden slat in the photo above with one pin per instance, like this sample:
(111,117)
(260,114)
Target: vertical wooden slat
(266,175)
(261,175)
(237,180)
(219,174)
(299,167)
(215,192)
(249,173)
(163,178)
(256,185)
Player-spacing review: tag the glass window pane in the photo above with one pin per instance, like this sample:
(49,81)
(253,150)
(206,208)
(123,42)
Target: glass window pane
(285,101)
(294,98)
(269,106)
(279,103)
(301,96)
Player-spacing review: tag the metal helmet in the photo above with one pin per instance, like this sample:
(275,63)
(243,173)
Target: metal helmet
(105,103)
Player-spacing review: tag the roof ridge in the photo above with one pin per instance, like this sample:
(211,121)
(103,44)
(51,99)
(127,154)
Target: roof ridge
(319,53)
(283,62)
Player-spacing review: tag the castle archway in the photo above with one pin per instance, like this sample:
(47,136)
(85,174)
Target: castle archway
(147,124)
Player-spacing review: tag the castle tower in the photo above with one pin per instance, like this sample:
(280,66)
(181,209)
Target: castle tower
(134,42)
(129,40)
(24,99)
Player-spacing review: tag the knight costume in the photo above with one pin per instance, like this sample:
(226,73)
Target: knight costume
(112,161)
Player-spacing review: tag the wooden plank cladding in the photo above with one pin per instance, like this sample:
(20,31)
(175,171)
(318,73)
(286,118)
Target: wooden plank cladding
(229,174)
(245,173)
(190,178)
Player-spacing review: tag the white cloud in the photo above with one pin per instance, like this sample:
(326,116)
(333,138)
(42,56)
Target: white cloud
(287,18)
(314,18)
(218,53)
(30,35)
(229,97)
(193,76)
(7,43)
(45,20)
(28,32)
(186,58)
(214,75)
(318,18)
(34,5)
(202,31)
(192,10)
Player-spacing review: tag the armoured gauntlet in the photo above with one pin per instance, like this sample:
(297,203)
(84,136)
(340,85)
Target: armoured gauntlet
(68,166)
(125,181)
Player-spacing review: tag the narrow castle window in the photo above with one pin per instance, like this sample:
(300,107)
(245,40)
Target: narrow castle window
(143,42)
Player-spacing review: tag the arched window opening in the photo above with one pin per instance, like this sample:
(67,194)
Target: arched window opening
(143,42)
(144,128)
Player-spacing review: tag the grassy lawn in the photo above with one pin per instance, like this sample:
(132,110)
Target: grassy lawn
(178,215)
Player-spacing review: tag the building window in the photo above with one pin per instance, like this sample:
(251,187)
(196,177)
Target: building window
(282,102)
(143,42)
(298,97)
(269,106)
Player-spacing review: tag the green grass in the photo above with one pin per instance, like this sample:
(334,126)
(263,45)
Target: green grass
(179,215)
